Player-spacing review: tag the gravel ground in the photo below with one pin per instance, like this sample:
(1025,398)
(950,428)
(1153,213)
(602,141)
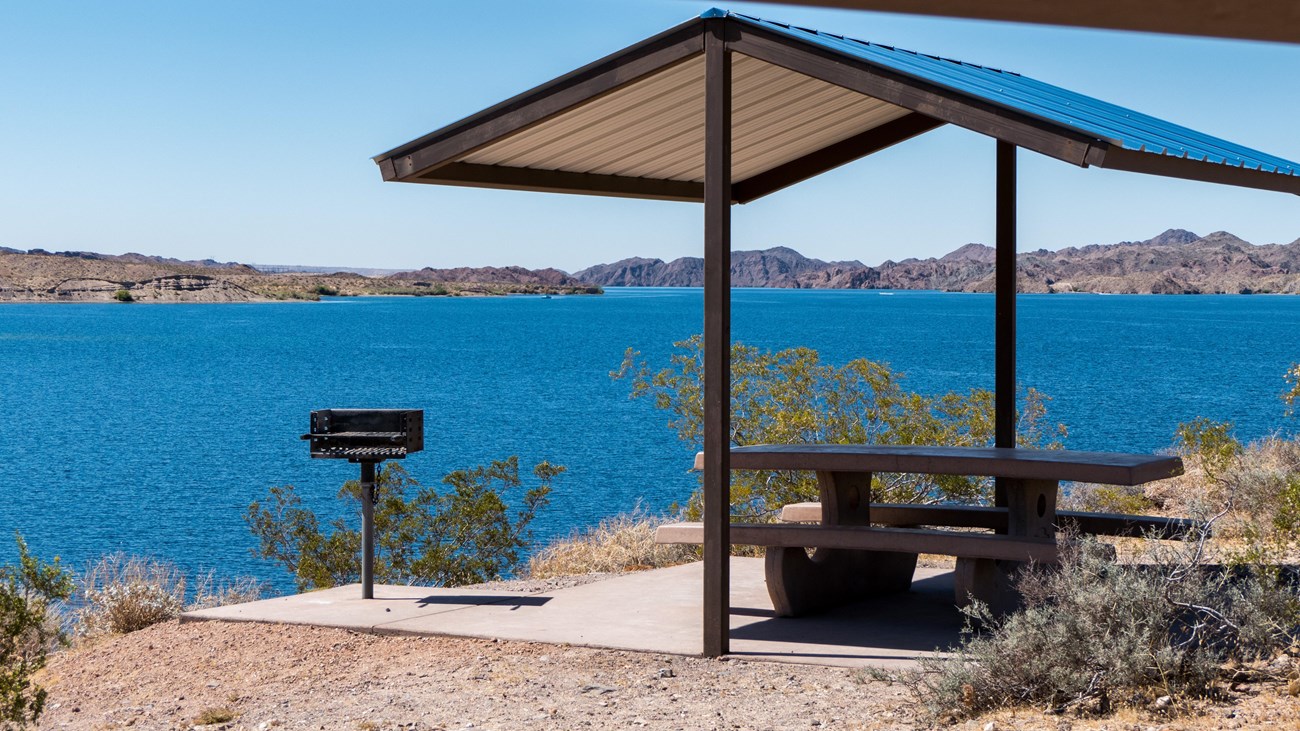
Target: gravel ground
(275,676)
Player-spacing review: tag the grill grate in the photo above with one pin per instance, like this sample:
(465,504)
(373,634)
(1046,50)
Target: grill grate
(359,453)
(366,435)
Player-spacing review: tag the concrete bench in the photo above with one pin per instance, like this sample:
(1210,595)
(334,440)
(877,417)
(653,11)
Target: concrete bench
(859,551)
(996,519)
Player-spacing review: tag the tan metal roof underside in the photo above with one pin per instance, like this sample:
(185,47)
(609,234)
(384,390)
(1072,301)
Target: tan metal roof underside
(654,127)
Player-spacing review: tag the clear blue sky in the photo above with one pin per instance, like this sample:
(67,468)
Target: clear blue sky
(243,131)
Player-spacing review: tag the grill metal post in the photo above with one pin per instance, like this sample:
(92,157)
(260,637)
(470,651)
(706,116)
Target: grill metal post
(367,530)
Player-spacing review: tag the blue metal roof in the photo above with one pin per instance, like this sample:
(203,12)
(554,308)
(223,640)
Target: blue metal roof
(1121,127)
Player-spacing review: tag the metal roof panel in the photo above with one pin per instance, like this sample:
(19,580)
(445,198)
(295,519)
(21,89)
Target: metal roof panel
(1125,128)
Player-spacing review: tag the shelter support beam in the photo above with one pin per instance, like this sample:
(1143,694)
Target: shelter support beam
(828,158)
(559,181)
(717,340)
(1004,399)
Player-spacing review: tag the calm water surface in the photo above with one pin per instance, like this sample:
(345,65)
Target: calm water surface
(149,429)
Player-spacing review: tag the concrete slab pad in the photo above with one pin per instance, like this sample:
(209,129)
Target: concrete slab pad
(343,607)
(650,611)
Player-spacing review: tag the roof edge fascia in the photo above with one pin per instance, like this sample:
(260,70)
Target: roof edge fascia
(1168,166)
(598,77)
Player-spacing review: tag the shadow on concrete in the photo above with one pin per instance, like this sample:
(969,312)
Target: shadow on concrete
(922,620)
(522,600)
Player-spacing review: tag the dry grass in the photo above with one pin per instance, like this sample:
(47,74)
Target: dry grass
(124,594)
(211,716)
(622,543)
(127,593)
(212,591)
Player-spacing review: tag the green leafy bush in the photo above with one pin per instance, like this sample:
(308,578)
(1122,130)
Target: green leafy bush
(1108,499)
(793,397)
(465,535)
(1211,445)
(123,295)
(1292,394)
(28,593)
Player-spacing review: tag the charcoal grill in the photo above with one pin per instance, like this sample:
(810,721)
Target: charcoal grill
(366,437)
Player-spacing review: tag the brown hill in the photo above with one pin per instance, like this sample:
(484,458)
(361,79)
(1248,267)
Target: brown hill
(1176,261)
(492,275)
(42,276)
(777,267)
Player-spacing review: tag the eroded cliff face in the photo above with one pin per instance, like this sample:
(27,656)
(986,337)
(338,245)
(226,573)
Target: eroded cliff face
(170,288)
(1175,262)
(41,276)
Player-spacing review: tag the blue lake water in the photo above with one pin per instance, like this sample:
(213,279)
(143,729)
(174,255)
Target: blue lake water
(149,429)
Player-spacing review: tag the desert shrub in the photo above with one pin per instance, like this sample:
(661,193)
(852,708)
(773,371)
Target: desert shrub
(1292,394)
(123,295)
(325,290)
(212,716)
(1210,445)
(621,543)
(1108,499)
(1094,633)
(464,535)
(29,592)
(124,594)
(792,397)
(121,593)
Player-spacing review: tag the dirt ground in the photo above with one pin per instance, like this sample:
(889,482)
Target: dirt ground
(257,676)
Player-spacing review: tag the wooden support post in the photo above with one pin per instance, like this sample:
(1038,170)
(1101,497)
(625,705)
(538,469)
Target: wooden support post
(1005,307)
(717,339)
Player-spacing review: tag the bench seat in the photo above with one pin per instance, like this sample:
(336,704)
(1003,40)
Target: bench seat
(978,516)
(870,538)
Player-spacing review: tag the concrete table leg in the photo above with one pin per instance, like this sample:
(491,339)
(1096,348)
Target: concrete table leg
(1031,513)
(799,583)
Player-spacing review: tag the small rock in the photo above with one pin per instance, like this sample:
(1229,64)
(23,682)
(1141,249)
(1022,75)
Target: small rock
(667,673)
(598,689)
(1162,703)
(991,726)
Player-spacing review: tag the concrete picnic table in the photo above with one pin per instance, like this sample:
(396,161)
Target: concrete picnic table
(861,549)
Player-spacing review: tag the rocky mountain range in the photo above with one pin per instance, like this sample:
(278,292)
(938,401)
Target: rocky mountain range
(80,276)
(1175,262)
(494,275)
